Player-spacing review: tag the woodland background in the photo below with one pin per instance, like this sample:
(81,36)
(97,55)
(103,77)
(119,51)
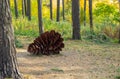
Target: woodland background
(105,19)
(91,58)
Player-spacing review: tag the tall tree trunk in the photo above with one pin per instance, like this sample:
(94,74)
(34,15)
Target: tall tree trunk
(9,2)
(58,11)
(76,19)
(29,9)
(90,17)
(40,16)
(51,10)
(25,7)
(16,8)
(8,66)
(119,22)
(63,9)
(84,12)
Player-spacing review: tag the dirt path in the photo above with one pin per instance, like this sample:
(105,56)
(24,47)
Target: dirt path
(79,60)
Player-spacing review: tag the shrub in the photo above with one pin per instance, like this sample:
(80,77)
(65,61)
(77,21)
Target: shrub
(98,37)
(111,32)
(18,43)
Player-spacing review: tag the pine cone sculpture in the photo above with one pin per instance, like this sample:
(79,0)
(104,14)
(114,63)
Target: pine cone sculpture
(47,43)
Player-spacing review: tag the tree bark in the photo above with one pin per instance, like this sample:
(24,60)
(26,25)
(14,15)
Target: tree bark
(76,19)
(119,22)
(29,9)
(16,8)
(58,11)
(63,6)
(8,66)
(40,16)
(9,2)
(25,7)
(51,17)
(84,12)
(91,18)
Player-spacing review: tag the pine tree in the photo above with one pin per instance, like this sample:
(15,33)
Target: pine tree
(51,17)
(63,12)
(29,9)
(16,8)
(91,17)
(40,16)
(76,19)
(8,66)
(119,22)
(84,12)
(58,11)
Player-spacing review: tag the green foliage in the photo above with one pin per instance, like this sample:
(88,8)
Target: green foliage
(98,38)
(118,70)
(117,77)
(63,27)
(103,9)
(117,16)
(105,16)
(25,28)
(18,43)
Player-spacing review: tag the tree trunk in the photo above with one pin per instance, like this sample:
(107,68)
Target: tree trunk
(58,11)
(40,16)
(91,18)
(16,9)
(29,9)
(25,7)
(119,22)
(9,2)
(8,66)
(63,9)
(51,10)
(76,19)
(84,12)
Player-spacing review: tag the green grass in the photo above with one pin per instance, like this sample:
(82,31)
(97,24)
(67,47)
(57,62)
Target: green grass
(57,70)
(23,27)
(18,43)
(117,77)
(118,70)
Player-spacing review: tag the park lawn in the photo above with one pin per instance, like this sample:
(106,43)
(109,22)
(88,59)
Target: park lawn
(78,60)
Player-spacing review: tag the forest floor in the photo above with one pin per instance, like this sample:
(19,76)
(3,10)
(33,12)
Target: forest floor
(78,60)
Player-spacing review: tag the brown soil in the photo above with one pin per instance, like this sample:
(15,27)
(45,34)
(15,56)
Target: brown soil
(78,60)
